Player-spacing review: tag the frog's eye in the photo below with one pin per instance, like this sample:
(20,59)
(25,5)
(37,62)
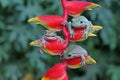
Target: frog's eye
(69,55)
(81,22)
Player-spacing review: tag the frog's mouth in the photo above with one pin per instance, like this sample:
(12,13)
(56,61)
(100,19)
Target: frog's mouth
(50,37)
(80,26)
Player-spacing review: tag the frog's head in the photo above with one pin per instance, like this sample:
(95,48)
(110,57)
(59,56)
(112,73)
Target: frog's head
(70,52)
(50,34)
(79,21)
(71,55)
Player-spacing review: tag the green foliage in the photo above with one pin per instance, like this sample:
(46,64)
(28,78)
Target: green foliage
(17,58)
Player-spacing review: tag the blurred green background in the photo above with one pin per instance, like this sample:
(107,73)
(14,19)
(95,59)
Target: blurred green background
(19,61)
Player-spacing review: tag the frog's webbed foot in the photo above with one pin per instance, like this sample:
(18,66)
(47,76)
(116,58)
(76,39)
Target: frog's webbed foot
(83,63)
(41,51)
(43,40)
(83,60)
(86,34)
(65,22)
(62,57)
(88,29)
(72,34)
(60,39)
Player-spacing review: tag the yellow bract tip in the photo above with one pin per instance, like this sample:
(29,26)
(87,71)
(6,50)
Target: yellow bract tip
(91,34)
(93,61)
(89,9)
(90,61)
(33,19)
(95,27)
(95,5)
(46,78)
(92,6)
(33,43)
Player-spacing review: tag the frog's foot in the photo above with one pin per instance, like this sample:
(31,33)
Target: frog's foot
(64,22)
(62,57)
(72,34)
(83,63)
(43,41)
(86,34)
(83,60)
(61,40)
(41,51)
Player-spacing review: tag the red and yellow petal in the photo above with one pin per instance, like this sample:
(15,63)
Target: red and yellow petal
(90,60)
(52,47)
(51,22)
(64,77)
(76,62)
(55,47)
(75,8)
(57,72)
(79,34)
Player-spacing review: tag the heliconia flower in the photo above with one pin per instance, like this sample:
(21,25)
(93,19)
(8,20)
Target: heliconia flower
(75,57)
(53,47)
(79,33)
(76,62)
(75,8)
(51,22)
(57,72)
(51,44)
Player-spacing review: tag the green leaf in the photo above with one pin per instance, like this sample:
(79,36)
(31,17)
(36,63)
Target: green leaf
(113,72)
(12,72)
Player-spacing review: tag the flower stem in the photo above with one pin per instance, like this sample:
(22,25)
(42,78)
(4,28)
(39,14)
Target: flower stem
(65,13)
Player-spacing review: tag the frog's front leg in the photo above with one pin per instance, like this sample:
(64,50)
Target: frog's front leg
(88,28)
(86,34)
(69,25)
(83,59)
(72,34)
(65,22)
(43,41)
(60,39)
(41,51)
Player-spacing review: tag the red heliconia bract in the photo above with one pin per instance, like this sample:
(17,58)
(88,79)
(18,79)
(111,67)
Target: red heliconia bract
(57,72)
(51,22)
(79,34)
(76,62)
(52,45)
(75,8)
